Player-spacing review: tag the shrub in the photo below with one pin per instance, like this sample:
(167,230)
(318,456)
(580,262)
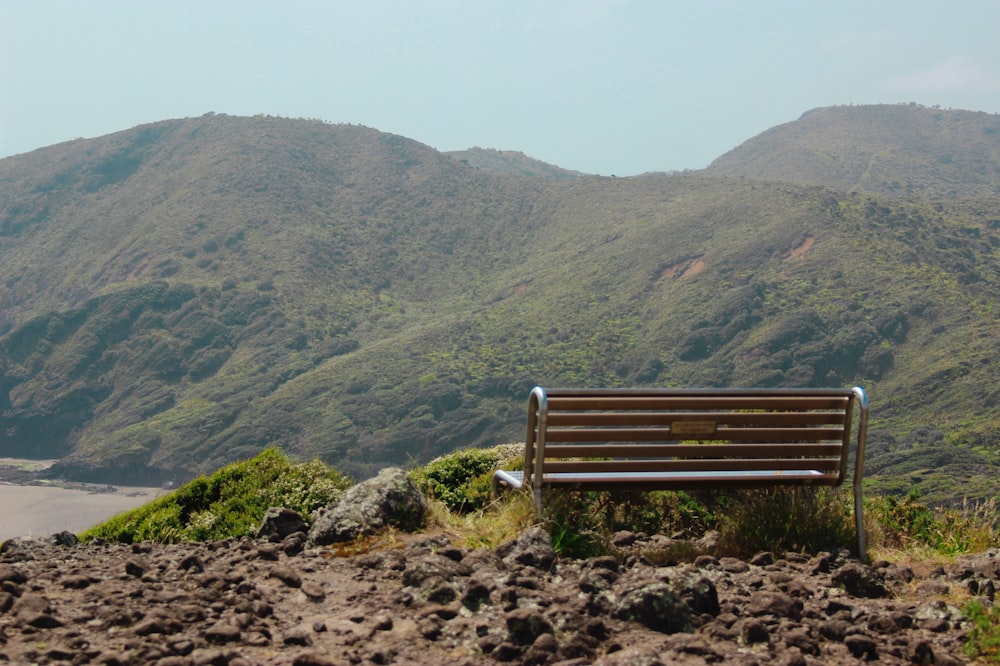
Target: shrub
(783,519)
(576,528)
(582,523)
(462,480)
(983,639)
(907,522)
(229,503)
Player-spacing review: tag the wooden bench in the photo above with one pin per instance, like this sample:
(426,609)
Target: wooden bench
(692,439)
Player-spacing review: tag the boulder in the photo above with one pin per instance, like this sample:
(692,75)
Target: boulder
(655,605)
(389,500)
(280,523)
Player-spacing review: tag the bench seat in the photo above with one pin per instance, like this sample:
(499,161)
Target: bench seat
(678,480)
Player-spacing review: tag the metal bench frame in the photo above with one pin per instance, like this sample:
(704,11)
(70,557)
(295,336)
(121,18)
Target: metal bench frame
(692,439)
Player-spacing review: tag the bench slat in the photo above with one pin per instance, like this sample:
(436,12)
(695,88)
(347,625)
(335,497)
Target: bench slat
(664,435)
(679,402)
(794,451)
(831,465)
(562,419)
(688,480)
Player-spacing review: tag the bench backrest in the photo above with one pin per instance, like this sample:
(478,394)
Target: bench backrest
(695,430)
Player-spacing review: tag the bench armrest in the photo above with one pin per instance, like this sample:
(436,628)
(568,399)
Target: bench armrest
(510,478)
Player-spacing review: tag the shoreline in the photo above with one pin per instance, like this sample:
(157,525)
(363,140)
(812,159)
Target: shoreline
(30,506)
(44,510)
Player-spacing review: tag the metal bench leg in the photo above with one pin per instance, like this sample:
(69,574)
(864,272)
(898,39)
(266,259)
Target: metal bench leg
(859,524)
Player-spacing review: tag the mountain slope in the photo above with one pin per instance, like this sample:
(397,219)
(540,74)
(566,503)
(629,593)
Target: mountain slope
(900,150)
(186,293)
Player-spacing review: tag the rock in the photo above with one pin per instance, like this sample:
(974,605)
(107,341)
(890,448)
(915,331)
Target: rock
(158,625)
(524,625)
(860,580)
(65,539)
(23,544)
(281,522)
(476,596)
(933,587)
(655,605)
(286,575)
(803,641)
(432,567)
(389,500)
(898,574)
(754,631)
(770,602)
(9,573)
(222,633)
(268,551)
(981,587)
(541,651)
(532,548)
(733,565)
(623,539)
(192,563)
(76,582)
(862,647)
(698,592)
(35,610)
(294,543)
(136,567)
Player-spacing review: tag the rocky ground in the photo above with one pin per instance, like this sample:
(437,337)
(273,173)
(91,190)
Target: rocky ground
(418,599)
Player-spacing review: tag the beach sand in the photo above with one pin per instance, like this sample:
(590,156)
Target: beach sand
(47,510)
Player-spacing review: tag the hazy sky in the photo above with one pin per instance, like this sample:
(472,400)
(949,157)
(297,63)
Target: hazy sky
(603,86)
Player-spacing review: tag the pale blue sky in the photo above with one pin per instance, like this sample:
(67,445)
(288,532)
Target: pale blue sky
(602,86)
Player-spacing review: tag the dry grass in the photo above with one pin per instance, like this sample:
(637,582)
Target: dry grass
(500,521)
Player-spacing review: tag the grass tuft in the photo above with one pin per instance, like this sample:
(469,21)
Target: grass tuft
(908,525)
(785,519)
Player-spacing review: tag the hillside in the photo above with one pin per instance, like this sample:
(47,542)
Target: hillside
(186,293)
(892,149)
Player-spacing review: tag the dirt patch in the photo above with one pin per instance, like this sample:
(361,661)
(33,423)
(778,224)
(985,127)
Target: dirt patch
(684,268)
(800,250)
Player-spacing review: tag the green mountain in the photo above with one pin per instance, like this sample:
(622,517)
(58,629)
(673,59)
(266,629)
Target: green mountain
(183,294)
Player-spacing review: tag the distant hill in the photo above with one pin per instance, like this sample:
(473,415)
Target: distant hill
(511,163)
(186,293)
(900,150)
